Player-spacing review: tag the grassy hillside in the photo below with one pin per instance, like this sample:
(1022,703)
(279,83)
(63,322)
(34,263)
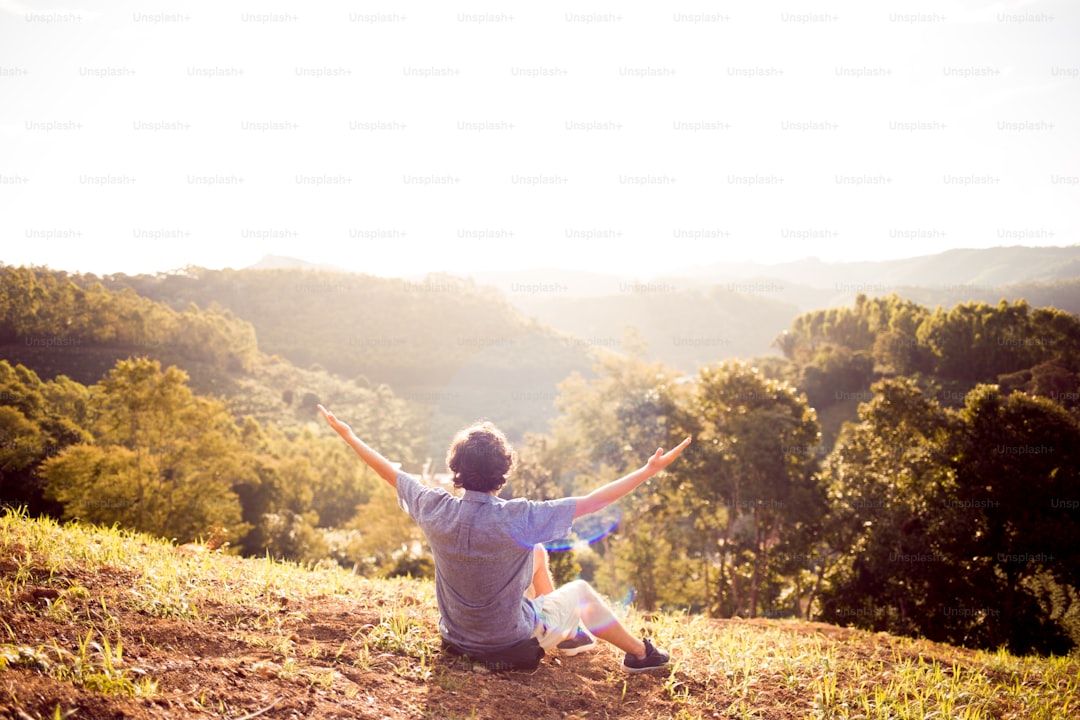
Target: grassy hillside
(105,624)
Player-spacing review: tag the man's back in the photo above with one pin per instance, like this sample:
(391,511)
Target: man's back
(483,550)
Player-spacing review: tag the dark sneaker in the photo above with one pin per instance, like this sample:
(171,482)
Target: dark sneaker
(654,659)
(581,642)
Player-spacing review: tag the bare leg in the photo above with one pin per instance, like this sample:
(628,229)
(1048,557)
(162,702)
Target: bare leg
(595,614)
(542,582)
(602,623)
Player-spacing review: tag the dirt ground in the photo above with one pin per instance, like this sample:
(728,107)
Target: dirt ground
(302,664)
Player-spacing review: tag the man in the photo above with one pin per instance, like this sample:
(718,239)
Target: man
(487,557)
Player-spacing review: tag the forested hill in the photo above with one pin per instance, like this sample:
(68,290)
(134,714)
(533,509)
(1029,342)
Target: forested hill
(685,328)
(442,342)
(57,323)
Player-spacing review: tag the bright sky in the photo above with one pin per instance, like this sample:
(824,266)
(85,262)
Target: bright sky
(402,138)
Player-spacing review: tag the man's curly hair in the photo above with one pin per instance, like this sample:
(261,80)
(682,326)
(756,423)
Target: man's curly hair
(480,457)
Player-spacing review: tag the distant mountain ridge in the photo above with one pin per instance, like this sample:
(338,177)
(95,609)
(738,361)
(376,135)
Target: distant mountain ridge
(726,310)
(282,262)
(951,269)
(963,266)
(989,267)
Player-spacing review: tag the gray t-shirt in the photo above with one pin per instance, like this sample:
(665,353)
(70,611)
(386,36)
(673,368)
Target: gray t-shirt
(483,548)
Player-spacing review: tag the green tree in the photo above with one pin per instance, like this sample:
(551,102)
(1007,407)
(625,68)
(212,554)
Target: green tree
(37,420)
(956,525)
(162,460)
(763,437)
(1017,471)
(387,541)
(277,502)
(836,374)
(610,425)
(889,481)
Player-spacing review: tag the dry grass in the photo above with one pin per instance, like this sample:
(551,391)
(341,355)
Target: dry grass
(98,622)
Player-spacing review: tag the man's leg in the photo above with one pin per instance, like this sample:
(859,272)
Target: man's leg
(601,621)
(542,582)
(595,614)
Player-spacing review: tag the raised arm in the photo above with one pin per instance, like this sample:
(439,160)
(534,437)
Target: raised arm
(375,461)
(603,496)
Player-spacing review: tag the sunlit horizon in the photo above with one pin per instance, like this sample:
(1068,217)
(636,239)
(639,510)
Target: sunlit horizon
(671,264)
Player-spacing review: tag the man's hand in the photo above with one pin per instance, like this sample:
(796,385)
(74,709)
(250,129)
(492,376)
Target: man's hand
(383,467)
(340,426)
(661,459)
(604,496)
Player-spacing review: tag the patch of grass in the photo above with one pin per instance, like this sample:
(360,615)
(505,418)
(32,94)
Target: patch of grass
(98,579)
(22,656)
(95,666)
(404,633)
(56,714)
(165,583)
(820,671)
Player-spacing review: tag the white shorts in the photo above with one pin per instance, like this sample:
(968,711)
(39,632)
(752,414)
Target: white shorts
(559,613)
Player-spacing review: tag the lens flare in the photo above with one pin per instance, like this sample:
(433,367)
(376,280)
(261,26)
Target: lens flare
(595,527)
(586,531)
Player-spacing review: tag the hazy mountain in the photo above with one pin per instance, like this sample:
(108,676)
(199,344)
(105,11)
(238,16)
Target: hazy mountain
(521,285)
(281,262)
(443,343)
(728,310)
(815,279)
(950,269)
